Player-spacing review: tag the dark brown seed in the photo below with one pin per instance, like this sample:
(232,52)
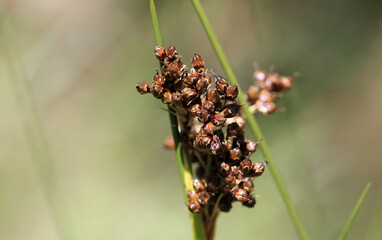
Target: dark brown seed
(143,88)
(197,62)
(221,84)
(233,129)
(158,79)
(246,166)
(257,169)
(231,110)
(234,170)
(213,96)
(224,168)
(157,90)
(172,70)
(235,154)
(169,143)
(273,83)
(188,94)
(159,53)
(195,109)
(194,207)
(250,202)
(209,128)
(232,92)
(253,93)
(199,185)
(218,119)
(202,141)
(248,185)
(225,204)
(209,106)
(176,98)
(215,144)
(230,181)
(171,53)
(239,194)
(203,115)
(203,197)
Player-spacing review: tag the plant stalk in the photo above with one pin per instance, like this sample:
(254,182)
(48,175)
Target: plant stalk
(250,119)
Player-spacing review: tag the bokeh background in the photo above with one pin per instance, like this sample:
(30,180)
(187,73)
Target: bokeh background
(82,59)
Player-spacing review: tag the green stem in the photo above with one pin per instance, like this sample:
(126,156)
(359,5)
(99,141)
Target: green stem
(354,213)
(34,132)
(250,119)
(181,154)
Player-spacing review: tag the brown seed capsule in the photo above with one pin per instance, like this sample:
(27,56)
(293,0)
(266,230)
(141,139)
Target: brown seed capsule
(265,107)
(171,71)
(197,62)
(157,90)
(213,96)
(195,109)
(273,83)
(224,168)
(233,129)
(257,169)
(239,194)
(259,76)
(209,106)
(171,53)
(194,207)
(266,96)
(203,115)
(209,128)
(251,146)
(203,83)
(166,98)
(176,98)
(218,119)
(250,202)
(253,93)
(169,143)
(158,79)
(229,181)
(159,53)
(246,166)
(221,84)
(192,196)
(235,154)
(188,94)
(143,88)
(234,170)
(201,142)
(199,185)
(232,92)
(203,197)
(286,82)
(248,185)
(215,144)
(231,110)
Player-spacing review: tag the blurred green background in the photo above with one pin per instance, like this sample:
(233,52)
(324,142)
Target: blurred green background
(82,60)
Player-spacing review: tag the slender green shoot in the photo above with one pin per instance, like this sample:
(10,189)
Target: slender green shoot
(34,132)
(250,119)
(181,155)
(354,213)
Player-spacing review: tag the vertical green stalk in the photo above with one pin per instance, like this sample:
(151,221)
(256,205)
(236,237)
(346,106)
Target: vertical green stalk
(181,154)
(34,132)
(250,119)
(354,213)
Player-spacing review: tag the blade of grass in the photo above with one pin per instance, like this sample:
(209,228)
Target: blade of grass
(250,119)
(181,155)
(34,132)
(354,213)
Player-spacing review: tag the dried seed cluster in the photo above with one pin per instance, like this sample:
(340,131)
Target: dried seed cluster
(266,90)
(211,126)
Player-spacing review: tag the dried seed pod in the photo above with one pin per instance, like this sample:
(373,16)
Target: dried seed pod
(215,144)
(235,154)
(176,98)
(159,79)
(257,169)
(166,98)
(224,168)
(246,166)
(231,110)
(203,197)
(143,88)
(194,207)
(259,76)
(229,181)
(195,109)
(273,83)
(203,83)
(203,115)
(250,202)
(248,185)
(265,107)
(234,170)
(266,96)
(169,143)
(171,53)
(197,62)
(172,70)
(221,84)
(239,194)
(188,94)
(199,185)
(209,128)
(213,96)
(253,93)
(233,129)
(201,142)
(251,146)
(209,106)
(218,119)
(286,82)
(157,90)
(232,92)
(159,53)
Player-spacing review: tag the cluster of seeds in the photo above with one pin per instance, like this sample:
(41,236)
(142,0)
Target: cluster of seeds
(211,126)
(266,90)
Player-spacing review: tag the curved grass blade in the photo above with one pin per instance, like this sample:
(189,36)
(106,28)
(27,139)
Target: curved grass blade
(181,155)
(354,213)
(250,119)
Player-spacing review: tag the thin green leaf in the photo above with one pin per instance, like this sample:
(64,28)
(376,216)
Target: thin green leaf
(354,213)
(250,119)
(181,155)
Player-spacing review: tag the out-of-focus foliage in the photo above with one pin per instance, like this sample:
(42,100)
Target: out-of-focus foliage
(82,60)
